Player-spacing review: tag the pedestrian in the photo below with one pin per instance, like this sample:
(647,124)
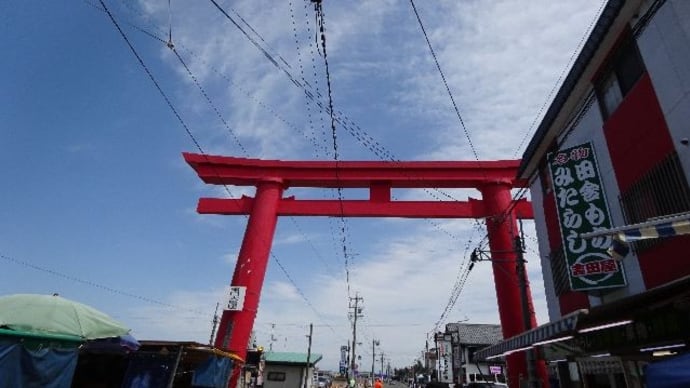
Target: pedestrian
(378,383)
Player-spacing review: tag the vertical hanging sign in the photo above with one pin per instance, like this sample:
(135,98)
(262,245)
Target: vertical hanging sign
(445,358)
(236,298)
(582,208)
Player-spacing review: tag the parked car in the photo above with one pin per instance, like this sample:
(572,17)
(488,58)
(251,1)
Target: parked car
(324,382)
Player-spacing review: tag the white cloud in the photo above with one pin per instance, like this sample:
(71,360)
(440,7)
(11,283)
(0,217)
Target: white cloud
(501,59)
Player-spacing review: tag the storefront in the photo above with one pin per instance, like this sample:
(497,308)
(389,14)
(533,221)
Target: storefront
(610,345)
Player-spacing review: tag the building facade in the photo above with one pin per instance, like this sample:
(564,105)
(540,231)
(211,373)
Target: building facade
(466,339)
(289,370)
(613,152)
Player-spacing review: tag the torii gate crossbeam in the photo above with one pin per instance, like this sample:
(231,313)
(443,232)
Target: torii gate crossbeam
(494,179)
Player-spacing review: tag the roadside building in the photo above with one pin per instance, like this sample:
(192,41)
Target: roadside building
(289,369)
(466,339)
(612,156)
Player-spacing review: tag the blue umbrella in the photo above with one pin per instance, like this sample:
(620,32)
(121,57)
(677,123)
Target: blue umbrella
(122,344)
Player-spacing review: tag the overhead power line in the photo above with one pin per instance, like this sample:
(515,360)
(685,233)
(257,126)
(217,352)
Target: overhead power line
(445,83)
(94,284)
(186,127)
(556,84)
(318,10)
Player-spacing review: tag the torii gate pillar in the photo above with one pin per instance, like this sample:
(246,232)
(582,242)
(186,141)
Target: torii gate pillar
(236,326)
(494,179)
(502,228)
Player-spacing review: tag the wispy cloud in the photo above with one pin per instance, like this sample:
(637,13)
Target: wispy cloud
(500,58)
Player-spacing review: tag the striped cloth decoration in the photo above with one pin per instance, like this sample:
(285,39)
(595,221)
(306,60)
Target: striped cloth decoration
(666,229)
(676,226)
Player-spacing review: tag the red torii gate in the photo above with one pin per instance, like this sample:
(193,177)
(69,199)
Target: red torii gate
(494,179)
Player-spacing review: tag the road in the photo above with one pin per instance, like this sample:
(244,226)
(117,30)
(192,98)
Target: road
(392,384)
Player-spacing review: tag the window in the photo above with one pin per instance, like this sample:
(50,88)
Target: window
(662,191)
(609,95)
(275,376)
(623,72)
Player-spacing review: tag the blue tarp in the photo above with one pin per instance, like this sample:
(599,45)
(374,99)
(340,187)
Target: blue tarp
(149,370)
(212,373)
(671,373)
(42,368)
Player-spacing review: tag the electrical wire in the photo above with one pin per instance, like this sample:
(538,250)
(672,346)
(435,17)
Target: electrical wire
(187,129)
(462,277)
(320,16)
(218,113)
(330,108)
(94,284)
(565,69)
(445,83)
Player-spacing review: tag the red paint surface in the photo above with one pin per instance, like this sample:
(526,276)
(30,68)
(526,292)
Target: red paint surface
(668,261)
(637,134)
(493,179)
(250,269)
(363,208)
(638,138)
(501,231)
(348,174)
(571,301)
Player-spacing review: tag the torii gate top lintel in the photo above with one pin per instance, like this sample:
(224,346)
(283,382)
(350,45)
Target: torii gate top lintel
(380,177)
(355,174)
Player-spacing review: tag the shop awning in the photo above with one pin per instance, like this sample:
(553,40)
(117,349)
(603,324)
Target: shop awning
(584,321)
(549,332)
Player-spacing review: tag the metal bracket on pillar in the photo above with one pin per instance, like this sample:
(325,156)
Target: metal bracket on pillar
(478,255)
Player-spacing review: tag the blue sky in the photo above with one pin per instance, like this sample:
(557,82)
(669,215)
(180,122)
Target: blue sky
(95,188)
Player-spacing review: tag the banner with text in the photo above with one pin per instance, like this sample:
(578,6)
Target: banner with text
(582,207)
(235,301)
(445,356)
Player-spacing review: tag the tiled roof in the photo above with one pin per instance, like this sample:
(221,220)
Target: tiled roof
(291,358)
(476,333)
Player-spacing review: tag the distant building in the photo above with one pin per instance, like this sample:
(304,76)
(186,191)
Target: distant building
(612,156)
(288,369)
(466,338)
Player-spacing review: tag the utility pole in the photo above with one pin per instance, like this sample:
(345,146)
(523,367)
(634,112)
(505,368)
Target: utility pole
(426,354)
(273,338)
(215,324)
(437,363)
(526,314)
(306,378)
(373,355)
(357,313)
(382,363)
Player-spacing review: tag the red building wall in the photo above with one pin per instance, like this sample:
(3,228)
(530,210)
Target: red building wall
(638,138)
(568,301)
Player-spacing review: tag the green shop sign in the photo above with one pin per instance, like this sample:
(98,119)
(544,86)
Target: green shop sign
(582,208)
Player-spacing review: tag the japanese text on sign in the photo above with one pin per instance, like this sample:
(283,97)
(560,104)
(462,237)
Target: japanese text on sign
(581,207)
